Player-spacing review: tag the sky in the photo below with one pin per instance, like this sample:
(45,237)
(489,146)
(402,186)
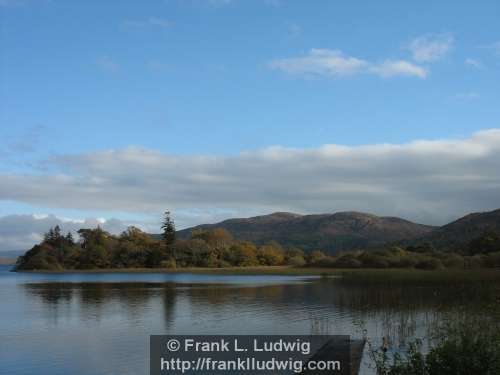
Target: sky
(113,112)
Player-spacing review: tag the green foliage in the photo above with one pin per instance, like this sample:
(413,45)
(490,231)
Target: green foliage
(315,257)
(133,248)
(489,242)
(412,363)
(348,261)
(463,352)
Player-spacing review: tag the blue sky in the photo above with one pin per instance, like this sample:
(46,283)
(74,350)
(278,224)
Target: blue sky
(223,80)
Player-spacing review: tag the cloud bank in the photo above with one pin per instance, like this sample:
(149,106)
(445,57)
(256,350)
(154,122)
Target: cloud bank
(21,232)
(427,181)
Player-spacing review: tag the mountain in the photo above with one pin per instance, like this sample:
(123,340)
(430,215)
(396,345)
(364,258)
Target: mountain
(7,261)
(10,256)
(328,232)
(459,233)
(11,253)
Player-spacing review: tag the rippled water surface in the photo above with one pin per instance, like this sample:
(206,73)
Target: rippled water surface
(85,324)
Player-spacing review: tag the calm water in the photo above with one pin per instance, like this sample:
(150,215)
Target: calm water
(100,323)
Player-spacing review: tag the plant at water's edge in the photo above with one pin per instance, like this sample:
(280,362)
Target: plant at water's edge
(462,351)
(412,363)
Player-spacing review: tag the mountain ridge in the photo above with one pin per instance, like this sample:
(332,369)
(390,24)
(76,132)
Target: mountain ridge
(331,232)
(456,234)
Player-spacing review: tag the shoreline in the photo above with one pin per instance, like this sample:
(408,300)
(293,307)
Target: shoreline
(265,270)
(375,275)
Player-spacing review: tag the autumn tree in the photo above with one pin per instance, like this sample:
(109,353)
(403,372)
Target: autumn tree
(271,254)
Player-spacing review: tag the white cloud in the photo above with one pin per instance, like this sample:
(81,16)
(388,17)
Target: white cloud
(431,47)
(390,68)
(473,63)
(334,63)
(21,232)
(428,181)
(321,62)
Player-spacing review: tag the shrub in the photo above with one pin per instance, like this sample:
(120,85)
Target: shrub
(467,353)
(348,261)
(453,261)
(374,260)
(315,256)
(492,260)
(429,264)
(271,255)
(169,263)
(326,262)
(297,261)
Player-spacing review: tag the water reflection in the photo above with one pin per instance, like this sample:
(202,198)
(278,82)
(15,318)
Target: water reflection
(322,306)
(108,322)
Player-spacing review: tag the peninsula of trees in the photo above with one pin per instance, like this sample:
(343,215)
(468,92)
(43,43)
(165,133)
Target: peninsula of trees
(216,248)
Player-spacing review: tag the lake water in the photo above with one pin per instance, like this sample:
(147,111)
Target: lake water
(99,324)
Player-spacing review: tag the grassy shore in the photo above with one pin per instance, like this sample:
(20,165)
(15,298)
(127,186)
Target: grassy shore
(400,276)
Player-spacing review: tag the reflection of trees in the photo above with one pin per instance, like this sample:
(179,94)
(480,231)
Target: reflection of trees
(93,298)
(51,293)
(169,298)
(322,306)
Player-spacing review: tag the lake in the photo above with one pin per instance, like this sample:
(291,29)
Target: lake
(93,324)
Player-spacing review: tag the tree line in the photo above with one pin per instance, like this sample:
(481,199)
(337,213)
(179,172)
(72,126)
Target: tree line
(216,248)
(133,248)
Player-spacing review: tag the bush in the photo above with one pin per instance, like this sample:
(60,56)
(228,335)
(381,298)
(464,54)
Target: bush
(453,261)
(297,261)
(374,260)
(271,255)
(468,353)
(492,260)
(407,261)
(169,263)
(429,264)
(314,257)
(348,261)
(325,262)
(474,262)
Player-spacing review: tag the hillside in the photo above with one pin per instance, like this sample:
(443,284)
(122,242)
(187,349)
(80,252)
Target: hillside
(459,233)
(329,232)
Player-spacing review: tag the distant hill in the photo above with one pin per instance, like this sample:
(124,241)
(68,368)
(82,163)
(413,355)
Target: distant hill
(7,261)
(10,257)
(328,232)
(457,234)
(12,253)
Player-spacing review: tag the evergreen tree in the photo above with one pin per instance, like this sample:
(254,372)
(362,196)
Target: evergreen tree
(168,227)
(49,236)
(168,235)
(69,239)
(57,233)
